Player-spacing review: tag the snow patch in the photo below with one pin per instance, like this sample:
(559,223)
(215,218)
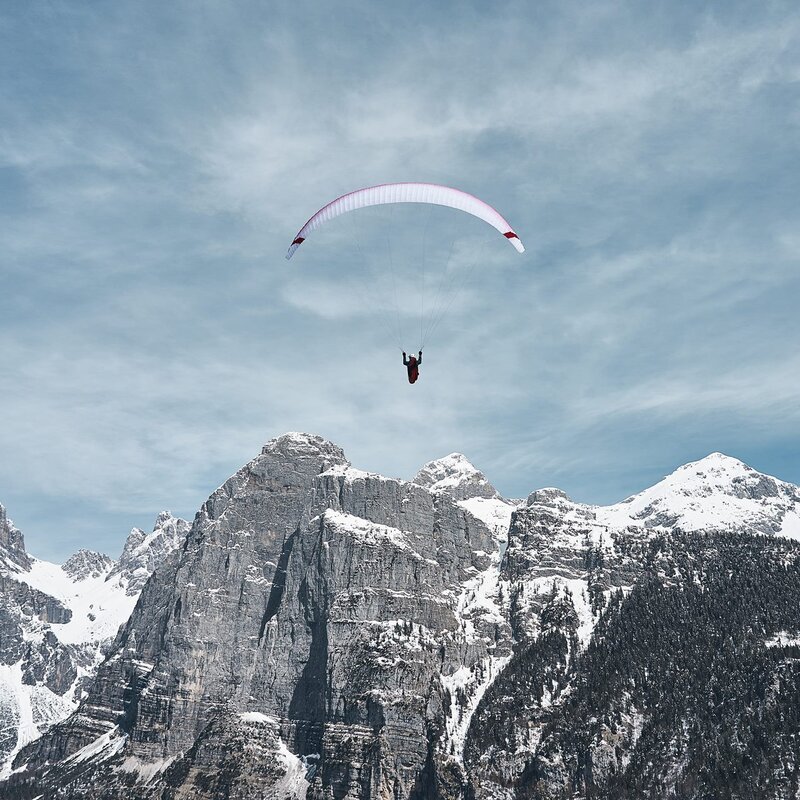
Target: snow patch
(293,784)
(257,716)
(351,474)
(369,533)
(466,687)
(102,748)
(493,512)
(790,525)
(783,639)
(146,771)
(98,606)
(579,593)
(32,709)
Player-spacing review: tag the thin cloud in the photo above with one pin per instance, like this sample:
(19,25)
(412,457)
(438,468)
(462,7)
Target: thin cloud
(154,167)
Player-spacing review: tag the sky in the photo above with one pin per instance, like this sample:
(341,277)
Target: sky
(156,160)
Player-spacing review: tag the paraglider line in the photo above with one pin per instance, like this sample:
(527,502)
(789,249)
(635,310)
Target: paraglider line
(422,288)
(394,282)
(370,300)
(439,296)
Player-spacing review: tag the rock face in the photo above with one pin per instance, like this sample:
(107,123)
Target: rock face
(12,544)
(55,624)
(324,632)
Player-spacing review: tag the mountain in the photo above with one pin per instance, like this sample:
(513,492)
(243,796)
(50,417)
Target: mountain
(326,632)
(56,623)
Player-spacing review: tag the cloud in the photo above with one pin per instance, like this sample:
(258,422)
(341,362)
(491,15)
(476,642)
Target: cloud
(154,167)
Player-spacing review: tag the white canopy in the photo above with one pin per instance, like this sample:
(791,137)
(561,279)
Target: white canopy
(407,193)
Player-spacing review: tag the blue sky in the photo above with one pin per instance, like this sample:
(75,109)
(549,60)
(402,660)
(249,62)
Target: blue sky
(156,160)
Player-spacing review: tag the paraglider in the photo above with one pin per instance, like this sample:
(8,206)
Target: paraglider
(412,363)
(423,193)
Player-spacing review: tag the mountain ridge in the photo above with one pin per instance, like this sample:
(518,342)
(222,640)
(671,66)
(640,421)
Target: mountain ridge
(319,617)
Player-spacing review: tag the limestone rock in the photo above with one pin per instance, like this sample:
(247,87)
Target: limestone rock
(456,476)
(143,552)
(12,544)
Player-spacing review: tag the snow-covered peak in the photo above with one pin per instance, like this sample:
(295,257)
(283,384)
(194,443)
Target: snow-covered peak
(457,476)
(143,552)
(715,470)
(715,493)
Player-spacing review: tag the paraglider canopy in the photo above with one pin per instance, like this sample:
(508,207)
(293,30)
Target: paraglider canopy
(388,193)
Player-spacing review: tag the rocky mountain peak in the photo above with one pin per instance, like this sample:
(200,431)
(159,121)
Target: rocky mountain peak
(163,518)
(87,564)
(548,496)
(456,476)
(12,544)
(143,552)
(303,445)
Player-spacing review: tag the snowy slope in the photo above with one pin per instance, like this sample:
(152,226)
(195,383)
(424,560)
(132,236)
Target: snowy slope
(99,604)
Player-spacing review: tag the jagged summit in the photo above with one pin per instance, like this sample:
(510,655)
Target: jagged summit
(162,518)
(457,476)
(142,551)
(86,564)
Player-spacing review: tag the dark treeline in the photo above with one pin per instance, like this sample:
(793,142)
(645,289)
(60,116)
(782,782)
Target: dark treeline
(682,691)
